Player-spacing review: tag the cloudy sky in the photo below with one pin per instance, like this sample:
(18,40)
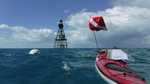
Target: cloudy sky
(33,23)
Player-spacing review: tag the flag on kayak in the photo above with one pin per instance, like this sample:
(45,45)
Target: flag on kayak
(96,23)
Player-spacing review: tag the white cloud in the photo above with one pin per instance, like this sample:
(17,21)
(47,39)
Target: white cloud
(128,26)
(131,3)
(29,36)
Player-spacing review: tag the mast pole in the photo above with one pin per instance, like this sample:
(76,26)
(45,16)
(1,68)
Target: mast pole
(96,42)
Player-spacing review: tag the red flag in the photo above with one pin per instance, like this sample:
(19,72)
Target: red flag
(96,23)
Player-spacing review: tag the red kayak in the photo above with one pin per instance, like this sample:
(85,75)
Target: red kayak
(116,71)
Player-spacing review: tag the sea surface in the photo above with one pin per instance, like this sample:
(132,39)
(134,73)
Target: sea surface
(61,66)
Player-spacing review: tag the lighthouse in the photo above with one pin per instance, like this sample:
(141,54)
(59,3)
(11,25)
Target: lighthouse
(60,40)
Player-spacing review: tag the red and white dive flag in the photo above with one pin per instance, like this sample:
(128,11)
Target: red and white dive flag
(96,23)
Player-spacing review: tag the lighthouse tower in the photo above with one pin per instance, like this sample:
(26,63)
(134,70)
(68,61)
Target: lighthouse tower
(60,40)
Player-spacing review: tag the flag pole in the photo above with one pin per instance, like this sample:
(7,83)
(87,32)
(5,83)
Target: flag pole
(96,42)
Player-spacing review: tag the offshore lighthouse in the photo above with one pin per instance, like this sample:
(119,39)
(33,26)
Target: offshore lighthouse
(60,40)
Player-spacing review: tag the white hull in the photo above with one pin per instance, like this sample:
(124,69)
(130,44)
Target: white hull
(104,77)
(34,51)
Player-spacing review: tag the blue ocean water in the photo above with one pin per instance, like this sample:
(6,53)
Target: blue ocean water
(61,66)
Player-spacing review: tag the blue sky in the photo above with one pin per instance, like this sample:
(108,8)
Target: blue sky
(33,23)
(38,13)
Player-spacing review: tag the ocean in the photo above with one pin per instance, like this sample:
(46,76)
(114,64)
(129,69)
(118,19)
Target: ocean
(62,66)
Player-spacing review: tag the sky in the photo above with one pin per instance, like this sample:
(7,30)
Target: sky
(39,13)
(33,23)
